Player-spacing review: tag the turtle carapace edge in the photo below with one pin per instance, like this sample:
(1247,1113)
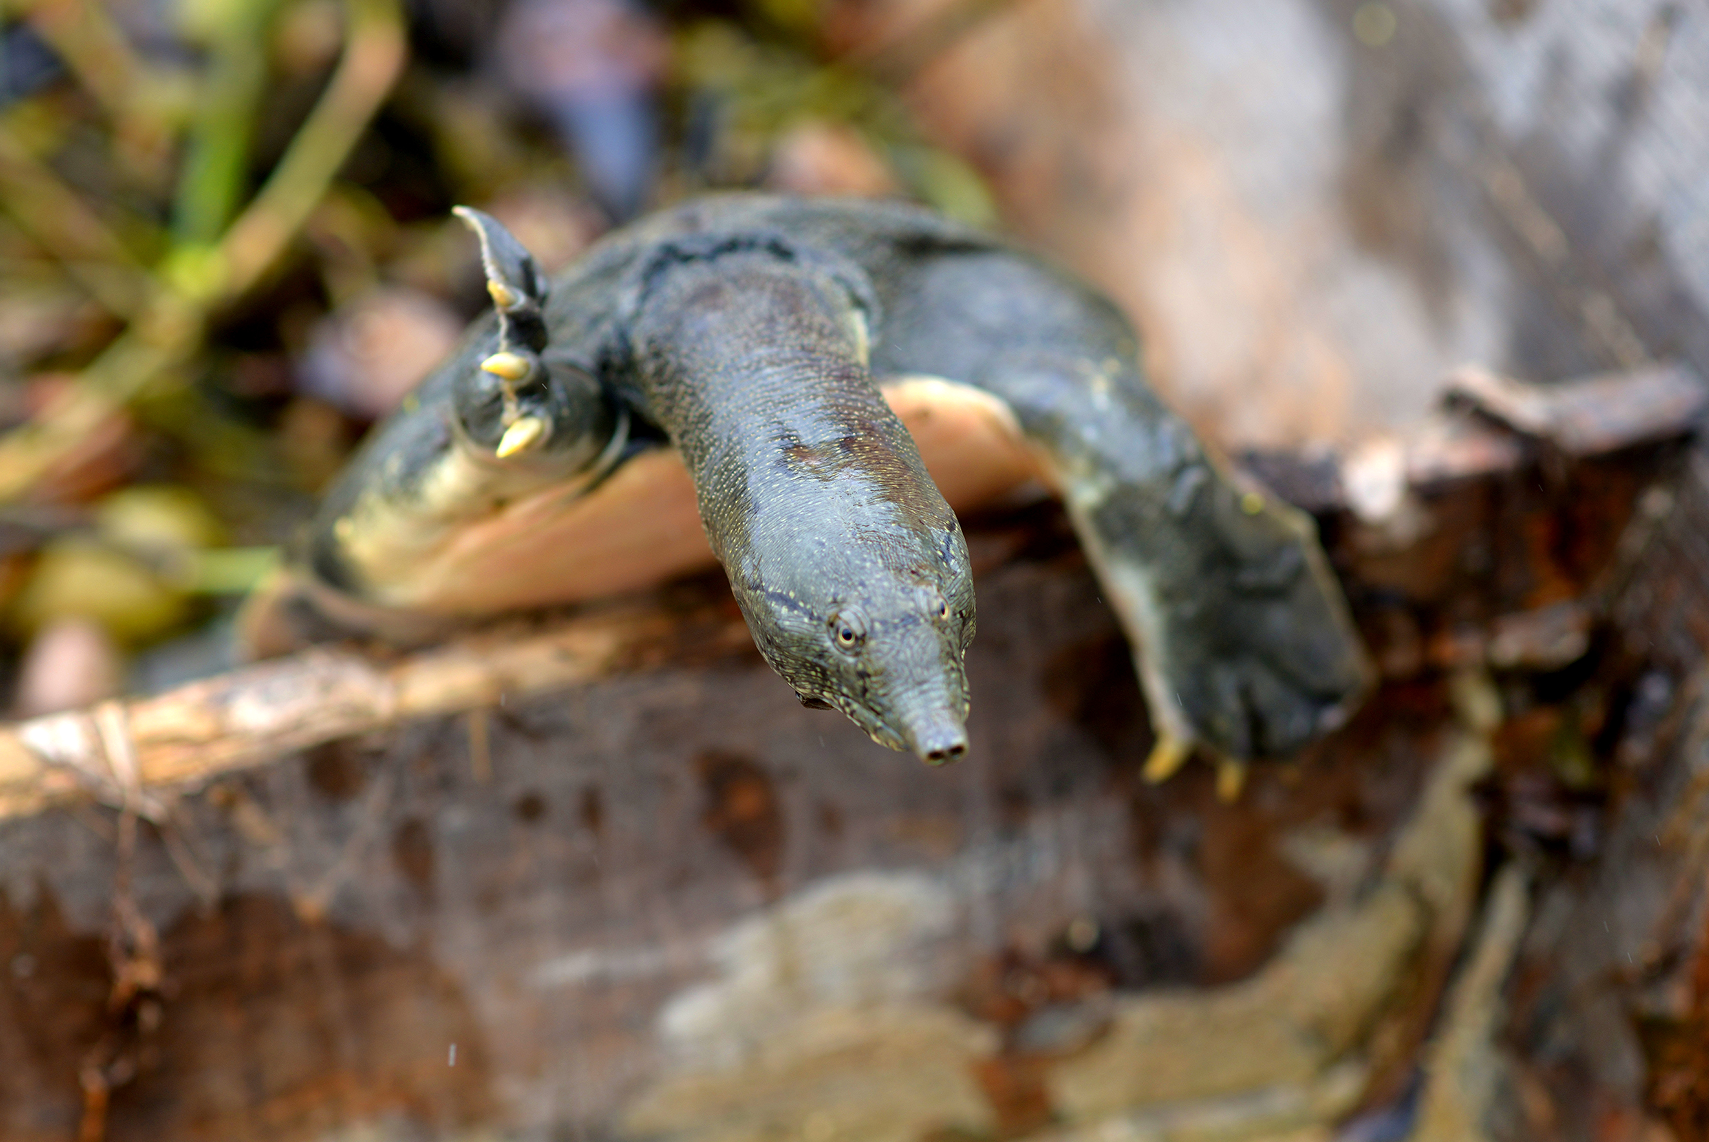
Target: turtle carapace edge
(818,382)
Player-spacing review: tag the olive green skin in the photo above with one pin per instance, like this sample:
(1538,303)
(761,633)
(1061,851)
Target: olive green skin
(747,331)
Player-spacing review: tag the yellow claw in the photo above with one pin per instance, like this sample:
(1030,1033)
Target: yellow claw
(503,296)
(1167,757)
(1230,779)
(523,434)
(510,366)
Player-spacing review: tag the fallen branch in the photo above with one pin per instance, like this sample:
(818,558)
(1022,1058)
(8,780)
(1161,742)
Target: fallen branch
(129,753)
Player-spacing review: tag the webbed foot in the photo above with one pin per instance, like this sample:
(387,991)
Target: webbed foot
(1244,643)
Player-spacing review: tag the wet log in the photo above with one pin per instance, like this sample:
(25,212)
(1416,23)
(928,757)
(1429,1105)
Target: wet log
(552,909)
(1608,1021)
(600,873)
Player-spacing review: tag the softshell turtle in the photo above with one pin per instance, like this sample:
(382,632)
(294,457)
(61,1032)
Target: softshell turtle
(777,368)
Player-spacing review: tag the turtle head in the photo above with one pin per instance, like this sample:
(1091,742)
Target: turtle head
(897,661)
(517,403)
(874,622)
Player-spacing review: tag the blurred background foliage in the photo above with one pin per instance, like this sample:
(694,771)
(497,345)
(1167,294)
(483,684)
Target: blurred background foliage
(227,249)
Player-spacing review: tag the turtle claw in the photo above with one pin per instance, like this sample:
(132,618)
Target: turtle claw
(513,277)
(1171,752)
(1168,755)
(522,422)
(510,366)
(524,433)
(1230,779)
(514,282)
(1263,677)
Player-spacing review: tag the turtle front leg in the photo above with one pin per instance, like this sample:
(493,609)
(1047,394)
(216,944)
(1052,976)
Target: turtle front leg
(413,524)
(1241,636)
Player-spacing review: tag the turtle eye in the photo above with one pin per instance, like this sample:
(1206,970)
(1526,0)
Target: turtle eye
(936,604)
(848,628)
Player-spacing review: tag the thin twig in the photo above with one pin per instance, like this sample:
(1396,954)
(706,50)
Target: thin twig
(57,220)
(92,46)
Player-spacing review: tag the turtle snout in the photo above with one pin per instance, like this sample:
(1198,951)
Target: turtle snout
(937,736)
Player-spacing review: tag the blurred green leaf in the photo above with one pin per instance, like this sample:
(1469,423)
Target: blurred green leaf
(212,181)
(946,183)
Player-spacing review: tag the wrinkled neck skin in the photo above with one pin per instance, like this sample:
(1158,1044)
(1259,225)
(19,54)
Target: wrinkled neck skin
(846,561)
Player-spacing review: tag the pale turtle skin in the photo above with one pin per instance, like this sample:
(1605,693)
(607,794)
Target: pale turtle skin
(777,368)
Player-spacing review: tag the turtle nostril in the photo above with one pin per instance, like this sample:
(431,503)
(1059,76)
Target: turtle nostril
(947,754)
(935,734)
